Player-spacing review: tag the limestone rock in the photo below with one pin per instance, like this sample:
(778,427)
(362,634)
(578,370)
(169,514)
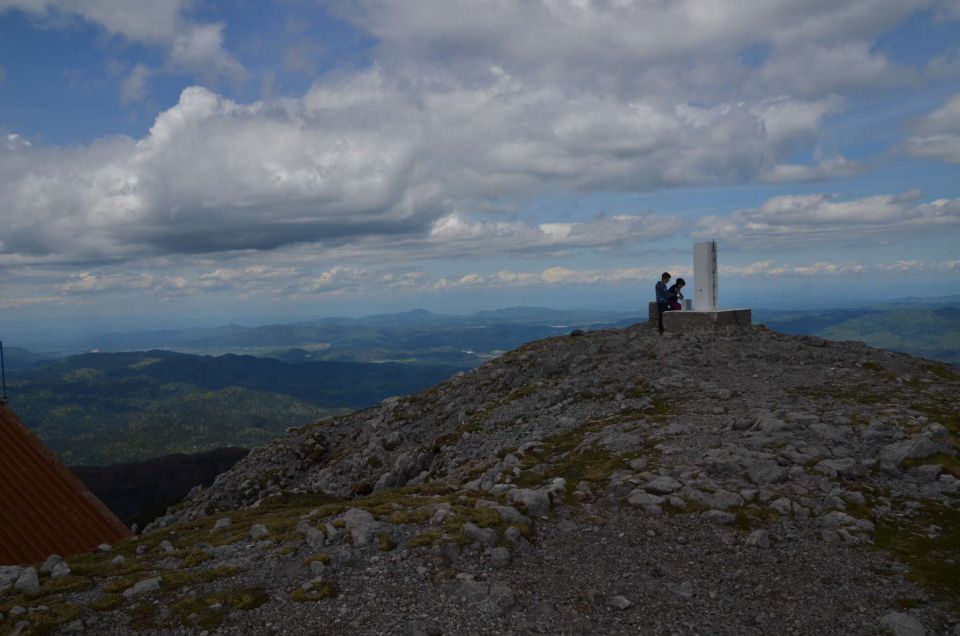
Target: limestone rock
(500,557)
(28,582)
(767,473)
(439,516)
(901,624)
(361,525)
(143,587)
(509,514)
(483,536)
(917,447)
(221,524)
(536,502)
(500,600)
(9,575)
(758,539)
(556,490)
(52,561)
(314,537)
(641,498)
(684,590)
(663,486)
(619,602)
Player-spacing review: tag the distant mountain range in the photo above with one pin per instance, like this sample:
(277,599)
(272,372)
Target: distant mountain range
(928,327)
(419,336)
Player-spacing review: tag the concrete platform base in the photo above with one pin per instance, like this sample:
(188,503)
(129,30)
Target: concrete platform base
(686,321)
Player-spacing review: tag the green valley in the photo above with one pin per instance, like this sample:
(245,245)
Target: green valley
(103,408)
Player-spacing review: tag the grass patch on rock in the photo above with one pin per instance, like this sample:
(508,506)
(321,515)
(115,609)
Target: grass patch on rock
(865,394)
(106,602)
(522,392)
(576,455)
(880,370)
(118,585)
(427,538)
(194,558)
(941,412)
(174,580)
(67,584)
(385,542)
(58,613)
(932,556)
(322,557)
(951,464)
(99,565)
(751,517)
(415,515)
(943,371)
(461,515)
(207,612)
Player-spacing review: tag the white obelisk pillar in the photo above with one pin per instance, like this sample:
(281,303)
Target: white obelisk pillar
(705,276)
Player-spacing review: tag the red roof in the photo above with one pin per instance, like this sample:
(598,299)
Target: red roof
(44,508)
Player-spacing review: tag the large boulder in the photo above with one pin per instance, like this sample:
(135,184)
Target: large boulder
(361,525)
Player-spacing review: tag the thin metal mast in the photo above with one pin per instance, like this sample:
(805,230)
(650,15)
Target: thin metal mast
(3,375)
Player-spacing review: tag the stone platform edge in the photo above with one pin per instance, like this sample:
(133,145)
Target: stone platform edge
(677,321)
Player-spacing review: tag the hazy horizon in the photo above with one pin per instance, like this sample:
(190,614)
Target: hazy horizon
(33,334)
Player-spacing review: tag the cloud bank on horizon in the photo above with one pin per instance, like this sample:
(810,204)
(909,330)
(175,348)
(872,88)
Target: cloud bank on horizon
(285,152)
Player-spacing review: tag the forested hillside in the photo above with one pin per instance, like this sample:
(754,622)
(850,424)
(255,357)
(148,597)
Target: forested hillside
(926,330)
(104,408)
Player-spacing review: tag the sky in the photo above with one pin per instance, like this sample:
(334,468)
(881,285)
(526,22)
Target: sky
(180,162)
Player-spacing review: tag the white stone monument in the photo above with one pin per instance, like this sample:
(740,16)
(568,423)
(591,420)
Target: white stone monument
(705,275)
(706,313)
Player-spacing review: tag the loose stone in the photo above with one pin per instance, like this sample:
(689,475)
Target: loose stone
(619,602)
(662,486)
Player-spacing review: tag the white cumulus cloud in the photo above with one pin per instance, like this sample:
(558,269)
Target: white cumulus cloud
(801,220)
(199,48)
(366,156)
(462,235)
(938,134)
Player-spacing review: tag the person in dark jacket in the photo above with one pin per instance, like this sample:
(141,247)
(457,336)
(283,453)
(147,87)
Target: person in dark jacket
(675,295)
(663,299)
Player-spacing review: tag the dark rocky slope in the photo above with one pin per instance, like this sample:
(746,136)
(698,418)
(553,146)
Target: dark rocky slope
(612,482)
(138,492)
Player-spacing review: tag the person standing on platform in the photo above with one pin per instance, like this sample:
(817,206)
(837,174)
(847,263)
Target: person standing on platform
(663,299)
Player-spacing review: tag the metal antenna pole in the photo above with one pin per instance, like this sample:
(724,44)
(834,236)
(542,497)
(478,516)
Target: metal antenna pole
(3,374)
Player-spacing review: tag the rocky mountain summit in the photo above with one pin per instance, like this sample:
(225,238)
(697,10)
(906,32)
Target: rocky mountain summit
(610,482)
